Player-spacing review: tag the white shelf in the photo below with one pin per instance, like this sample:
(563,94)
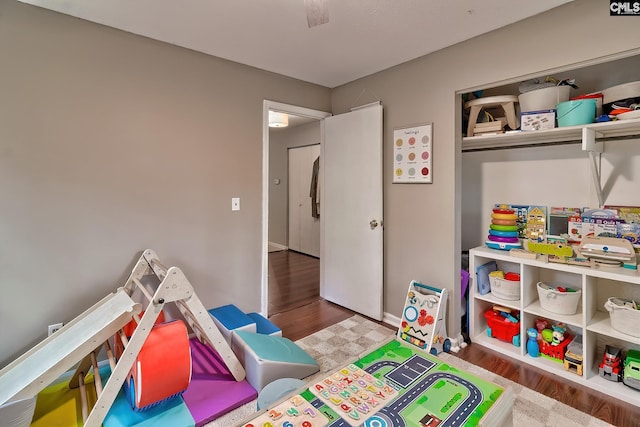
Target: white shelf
(536,309)
(601,324)
(590,321)
(619,274)
(490,298)
(570,134)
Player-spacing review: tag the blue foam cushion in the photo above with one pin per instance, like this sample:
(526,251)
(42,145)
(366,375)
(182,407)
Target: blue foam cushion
(231,317)
(264,326)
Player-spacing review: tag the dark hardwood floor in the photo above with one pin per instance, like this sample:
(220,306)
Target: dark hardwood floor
(294,280)
(299,312)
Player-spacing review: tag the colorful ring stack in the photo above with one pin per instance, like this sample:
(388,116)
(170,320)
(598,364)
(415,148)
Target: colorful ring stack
(503,231)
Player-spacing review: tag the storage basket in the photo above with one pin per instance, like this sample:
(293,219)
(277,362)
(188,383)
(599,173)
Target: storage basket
(623,317)
(558,302)
(505,289)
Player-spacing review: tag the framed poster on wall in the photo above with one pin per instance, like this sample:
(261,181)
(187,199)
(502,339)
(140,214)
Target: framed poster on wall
(412,154)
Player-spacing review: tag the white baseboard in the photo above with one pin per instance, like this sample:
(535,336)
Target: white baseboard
(274,247)
(390,319)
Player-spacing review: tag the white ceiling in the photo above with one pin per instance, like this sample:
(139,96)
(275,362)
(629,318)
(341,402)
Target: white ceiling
(362,36)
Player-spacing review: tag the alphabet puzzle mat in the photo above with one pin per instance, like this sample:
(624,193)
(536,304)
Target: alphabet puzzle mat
(395,385)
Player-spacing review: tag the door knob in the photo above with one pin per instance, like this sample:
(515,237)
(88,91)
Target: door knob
(373,223)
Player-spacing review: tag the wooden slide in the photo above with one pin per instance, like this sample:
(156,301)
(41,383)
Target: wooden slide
(78,342)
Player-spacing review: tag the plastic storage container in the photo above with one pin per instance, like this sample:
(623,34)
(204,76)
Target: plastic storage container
(623,316)
(558,302)
(577,112)
(543,99)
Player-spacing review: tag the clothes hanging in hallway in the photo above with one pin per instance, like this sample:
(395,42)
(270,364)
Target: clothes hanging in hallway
(314,191)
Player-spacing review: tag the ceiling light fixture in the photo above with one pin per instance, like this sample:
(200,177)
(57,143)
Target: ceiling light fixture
(278,120)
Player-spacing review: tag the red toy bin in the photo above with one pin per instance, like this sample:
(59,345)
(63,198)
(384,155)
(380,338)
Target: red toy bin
(502,328)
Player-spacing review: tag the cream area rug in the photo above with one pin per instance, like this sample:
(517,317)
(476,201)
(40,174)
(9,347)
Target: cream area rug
(346,341)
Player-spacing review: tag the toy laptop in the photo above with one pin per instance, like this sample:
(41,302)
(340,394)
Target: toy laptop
(423,318)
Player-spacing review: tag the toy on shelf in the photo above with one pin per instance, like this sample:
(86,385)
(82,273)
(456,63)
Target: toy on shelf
(503,323)
(533,348)
(573,357)
(611,366)
(631,375)
(423,318)
(537,224)
(553,340)
(609,251)
(503,231)
(558,249)
(558,334)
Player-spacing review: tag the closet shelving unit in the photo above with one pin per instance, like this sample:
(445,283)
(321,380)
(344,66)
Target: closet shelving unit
(592,137)
(591,319)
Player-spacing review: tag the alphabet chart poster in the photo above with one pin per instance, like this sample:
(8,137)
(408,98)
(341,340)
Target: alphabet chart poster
(412,150)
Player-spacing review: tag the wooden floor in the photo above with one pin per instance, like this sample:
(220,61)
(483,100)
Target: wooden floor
(301,312)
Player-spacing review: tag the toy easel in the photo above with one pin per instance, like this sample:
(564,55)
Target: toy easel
(81,339)
(423,318)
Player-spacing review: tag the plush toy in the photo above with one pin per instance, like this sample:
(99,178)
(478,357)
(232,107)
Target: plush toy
(558,334)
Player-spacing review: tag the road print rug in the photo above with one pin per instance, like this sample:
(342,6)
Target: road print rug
(336,348)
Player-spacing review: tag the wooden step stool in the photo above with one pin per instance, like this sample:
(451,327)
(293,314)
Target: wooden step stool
(507,102)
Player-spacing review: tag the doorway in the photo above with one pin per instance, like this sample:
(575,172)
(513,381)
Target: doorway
(304,129)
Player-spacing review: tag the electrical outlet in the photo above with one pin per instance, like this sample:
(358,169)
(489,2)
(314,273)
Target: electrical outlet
(53,328)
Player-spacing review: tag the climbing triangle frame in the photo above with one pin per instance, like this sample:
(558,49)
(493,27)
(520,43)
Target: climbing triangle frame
(79,341)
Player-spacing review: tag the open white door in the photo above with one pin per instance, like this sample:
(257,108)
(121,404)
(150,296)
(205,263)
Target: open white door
(351,211)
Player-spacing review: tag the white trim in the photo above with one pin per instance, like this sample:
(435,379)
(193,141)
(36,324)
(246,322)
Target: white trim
(282,108)
(390,319)
(278,246)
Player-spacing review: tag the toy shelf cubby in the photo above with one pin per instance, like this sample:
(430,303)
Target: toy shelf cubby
(591,320)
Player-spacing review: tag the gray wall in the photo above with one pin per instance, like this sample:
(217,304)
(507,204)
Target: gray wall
(111,143)
(280,140)
(422,222)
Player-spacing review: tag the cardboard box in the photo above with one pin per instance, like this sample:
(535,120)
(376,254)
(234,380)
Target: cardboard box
(538,120)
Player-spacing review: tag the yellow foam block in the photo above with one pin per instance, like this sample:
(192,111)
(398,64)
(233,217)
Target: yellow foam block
(60,406)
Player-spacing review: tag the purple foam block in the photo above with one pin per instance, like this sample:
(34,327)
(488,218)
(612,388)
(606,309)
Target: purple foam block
(213,390)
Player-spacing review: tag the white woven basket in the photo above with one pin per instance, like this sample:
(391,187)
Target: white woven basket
(505,289)
(623,318)
(558,302)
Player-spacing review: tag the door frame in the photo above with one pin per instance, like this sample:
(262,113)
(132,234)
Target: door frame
(288,109)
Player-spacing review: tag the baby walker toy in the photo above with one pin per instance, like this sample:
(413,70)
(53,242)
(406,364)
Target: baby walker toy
(423,318)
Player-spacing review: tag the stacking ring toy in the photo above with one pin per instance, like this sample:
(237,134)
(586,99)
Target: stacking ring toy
(504,227)
(511,216)
(503,221)
(503,239)
(503,233)
(503,211)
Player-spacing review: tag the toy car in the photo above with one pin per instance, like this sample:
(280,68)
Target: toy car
(632,369)
(611,366)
